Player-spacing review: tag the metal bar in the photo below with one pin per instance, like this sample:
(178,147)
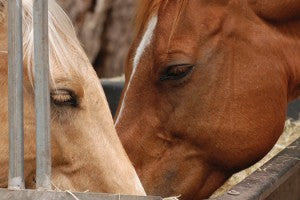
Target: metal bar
(42,94)
(15,103)
(60,195)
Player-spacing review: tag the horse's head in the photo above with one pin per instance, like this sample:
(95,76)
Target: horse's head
(207,85)
(86,151)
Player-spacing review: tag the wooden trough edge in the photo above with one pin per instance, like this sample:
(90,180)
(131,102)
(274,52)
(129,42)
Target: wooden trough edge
(6,194)
(278,179)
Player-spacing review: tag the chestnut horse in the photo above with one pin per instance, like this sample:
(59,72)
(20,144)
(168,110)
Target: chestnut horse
(86,151)
(206,91)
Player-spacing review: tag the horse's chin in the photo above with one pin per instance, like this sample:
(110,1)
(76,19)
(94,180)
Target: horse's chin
(175,175)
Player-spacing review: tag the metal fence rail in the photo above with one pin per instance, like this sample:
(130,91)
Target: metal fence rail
(15,103)
(42,95)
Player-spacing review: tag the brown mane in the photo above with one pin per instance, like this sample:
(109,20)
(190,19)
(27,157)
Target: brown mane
(145,9)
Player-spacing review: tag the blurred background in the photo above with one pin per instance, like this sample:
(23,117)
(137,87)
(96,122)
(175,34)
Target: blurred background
(105,30)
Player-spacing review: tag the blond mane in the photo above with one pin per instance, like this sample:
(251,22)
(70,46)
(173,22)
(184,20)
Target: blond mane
(3,4)
(65,51)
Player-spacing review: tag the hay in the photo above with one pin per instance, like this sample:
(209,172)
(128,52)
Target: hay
(57,189)
(290,134)
(172,198)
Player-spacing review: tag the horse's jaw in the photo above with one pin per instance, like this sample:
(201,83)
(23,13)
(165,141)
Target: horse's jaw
(99,164)
(167,168)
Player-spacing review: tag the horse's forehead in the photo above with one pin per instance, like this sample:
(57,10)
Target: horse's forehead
(146,40)
(192,17)
(67,76)
(182,27)
(157,31)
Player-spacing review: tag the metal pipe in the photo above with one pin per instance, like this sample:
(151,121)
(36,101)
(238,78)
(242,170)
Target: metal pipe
(42,94)
(15,102)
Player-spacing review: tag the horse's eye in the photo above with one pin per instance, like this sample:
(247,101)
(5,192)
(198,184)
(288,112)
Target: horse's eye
(64,97)
(175,72)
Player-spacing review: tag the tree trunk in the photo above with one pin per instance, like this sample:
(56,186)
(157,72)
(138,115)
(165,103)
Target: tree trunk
(104,28)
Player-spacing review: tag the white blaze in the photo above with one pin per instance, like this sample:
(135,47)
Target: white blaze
(146,40)
(144,43)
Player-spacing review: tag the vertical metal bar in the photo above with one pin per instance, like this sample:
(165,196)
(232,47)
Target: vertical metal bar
(15,102)
(42,94)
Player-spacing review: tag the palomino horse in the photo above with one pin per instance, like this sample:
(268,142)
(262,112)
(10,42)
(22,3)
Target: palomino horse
(86,151)
(207,85)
